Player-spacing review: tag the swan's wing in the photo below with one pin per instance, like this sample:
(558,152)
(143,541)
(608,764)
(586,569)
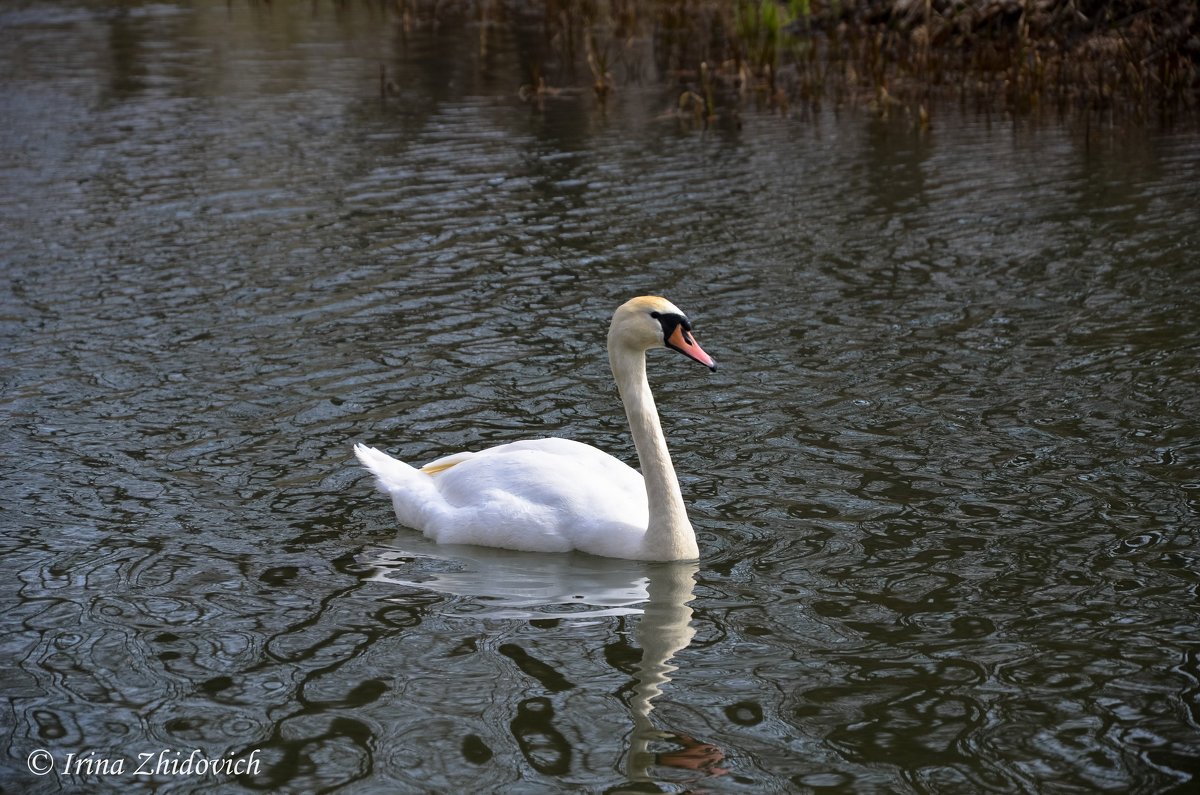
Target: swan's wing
(550,495)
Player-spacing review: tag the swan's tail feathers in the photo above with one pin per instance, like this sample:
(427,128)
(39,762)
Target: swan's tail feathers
(388,471)
(413,493)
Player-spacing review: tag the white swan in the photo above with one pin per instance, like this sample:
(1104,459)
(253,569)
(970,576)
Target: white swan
(555,495)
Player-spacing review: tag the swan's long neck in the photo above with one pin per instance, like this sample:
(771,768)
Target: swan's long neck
(669,535)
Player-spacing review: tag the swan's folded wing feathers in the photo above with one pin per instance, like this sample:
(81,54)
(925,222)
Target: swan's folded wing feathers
(544,494)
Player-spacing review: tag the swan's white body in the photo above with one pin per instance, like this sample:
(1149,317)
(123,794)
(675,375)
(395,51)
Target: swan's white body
(556,495)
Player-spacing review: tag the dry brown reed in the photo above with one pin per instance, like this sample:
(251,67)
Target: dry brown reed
(1134,57)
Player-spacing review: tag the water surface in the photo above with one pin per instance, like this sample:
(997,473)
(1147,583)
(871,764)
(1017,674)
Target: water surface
(945,479)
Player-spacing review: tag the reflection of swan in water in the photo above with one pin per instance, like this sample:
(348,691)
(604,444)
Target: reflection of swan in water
(664,631)
(503,584)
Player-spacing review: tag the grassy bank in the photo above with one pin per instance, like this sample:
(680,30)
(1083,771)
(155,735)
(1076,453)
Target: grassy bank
(1128,56)
(1122,57)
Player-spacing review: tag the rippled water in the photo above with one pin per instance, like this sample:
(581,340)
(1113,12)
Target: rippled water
(946,480)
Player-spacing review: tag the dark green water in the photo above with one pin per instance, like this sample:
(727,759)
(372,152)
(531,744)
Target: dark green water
(946,479)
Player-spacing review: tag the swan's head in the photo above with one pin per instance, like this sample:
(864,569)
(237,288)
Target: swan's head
(651,322)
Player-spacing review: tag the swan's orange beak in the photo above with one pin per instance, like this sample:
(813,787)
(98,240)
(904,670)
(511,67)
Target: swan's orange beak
(681,340)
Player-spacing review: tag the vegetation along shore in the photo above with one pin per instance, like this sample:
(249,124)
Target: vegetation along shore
(1125,58)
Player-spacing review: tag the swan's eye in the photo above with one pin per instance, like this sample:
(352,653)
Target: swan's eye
(671,322)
